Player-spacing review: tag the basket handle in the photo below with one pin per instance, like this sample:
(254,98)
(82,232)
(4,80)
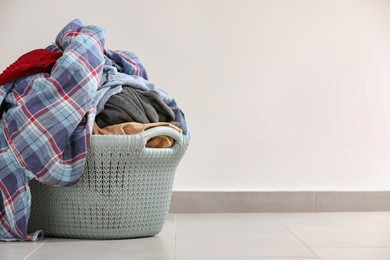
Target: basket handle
(162,130)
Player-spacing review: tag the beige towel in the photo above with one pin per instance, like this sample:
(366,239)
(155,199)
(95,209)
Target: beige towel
(131,128)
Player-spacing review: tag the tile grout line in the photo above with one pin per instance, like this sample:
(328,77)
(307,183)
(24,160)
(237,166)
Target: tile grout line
(32,252)
(174,229)
(300,240)
(311,250)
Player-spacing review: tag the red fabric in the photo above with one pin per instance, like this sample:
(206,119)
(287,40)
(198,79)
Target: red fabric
(33,62)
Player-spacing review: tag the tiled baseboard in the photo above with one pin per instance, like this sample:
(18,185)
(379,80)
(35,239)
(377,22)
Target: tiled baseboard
(278,201)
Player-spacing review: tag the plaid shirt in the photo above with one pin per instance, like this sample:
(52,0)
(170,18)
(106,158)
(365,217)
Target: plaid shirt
(46,123)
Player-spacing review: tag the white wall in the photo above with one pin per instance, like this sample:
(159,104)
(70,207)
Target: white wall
(279,94)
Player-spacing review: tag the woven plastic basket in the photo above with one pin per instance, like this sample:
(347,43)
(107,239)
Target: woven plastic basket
(125,191)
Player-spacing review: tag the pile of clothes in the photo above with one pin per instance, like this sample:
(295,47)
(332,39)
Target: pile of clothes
(52,100)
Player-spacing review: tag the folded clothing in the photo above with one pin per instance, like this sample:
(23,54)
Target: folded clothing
(135,128)
(134,105)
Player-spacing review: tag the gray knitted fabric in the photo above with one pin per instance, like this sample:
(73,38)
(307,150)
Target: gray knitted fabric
(133,105)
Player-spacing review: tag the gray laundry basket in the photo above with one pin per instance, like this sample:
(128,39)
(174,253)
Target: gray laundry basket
(125,191)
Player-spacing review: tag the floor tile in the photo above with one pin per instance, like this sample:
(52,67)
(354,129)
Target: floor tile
(244,258)
(331,236)
(381,218)
(345,219)
(337,229)
(217,235)
(158,247)
(225,223)
(239,245)
(271,236)
(353,253)
(18,250)
(64,249)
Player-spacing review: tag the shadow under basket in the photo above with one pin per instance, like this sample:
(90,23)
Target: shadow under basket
(125,191)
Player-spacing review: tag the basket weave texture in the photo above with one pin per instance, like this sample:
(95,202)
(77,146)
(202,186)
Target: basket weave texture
(125,191)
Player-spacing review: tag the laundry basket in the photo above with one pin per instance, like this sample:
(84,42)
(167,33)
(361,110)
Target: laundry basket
(125,191)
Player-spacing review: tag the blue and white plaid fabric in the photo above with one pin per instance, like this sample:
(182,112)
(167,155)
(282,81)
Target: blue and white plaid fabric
(46,123)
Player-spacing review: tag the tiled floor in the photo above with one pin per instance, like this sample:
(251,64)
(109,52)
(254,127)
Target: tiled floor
(279,236)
